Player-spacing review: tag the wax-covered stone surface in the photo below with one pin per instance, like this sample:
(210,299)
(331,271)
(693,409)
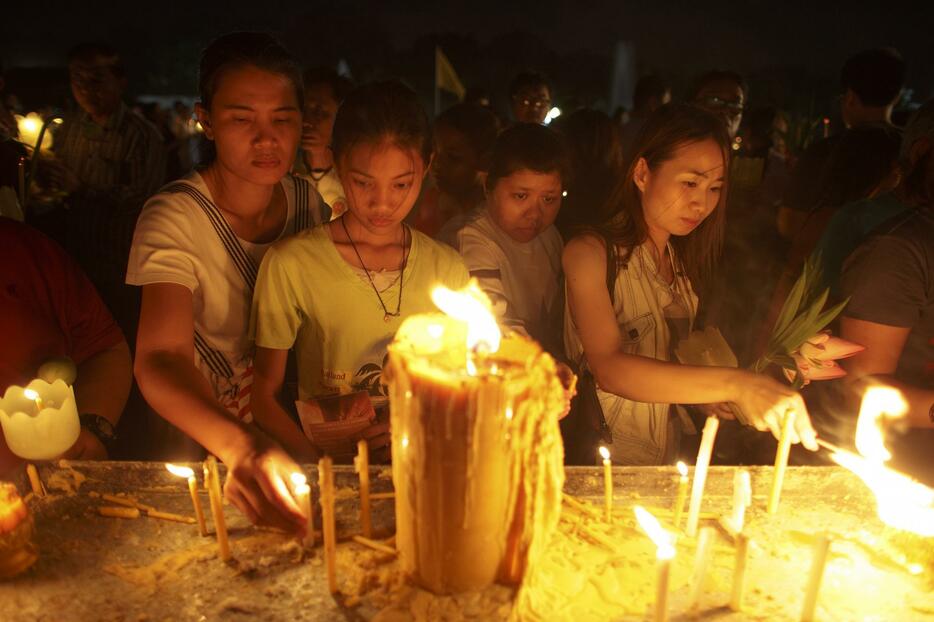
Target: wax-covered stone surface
(96,568)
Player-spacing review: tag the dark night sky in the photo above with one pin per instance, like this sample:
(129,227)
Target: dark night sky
(791,50)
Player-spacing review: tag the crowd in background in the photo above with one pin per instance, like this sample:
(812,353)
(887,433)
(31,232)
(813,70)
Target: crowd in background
(205,268)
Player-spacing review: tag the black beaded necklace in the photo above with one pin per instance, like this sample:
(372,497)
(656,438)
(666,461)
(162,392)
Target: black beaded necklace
(387,316)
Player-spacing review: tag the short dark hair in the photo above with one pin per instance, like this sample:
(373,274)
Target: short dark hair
(876,76)
(528,80)
(647,87)
(92,51)
(531,146)
(380,111)
(716,75)
(477,123)
(341,86)
(238,49)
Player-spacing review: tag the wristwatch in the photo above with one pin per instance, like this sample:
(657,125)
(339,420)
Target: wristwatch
(99,427)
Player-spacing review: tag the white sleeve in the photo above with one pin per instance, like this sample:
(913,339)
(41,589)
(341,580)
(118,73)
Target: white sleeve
(164,247)
(485,262)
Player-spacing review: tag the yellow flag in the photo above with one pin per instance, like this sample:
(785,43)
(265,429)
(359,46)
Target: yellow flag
(445,77)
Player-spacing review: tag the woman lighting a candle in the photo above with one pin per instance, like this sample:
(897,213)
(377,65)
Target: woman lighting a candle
(196,251)
(630,293)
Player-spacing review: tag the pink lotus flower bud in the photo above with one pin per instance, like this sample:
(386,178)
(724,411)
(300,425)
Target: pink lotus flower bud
(815,359)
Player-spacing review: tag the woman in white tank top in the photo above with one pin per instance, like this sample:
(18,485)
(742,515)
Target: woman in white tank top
(630,294)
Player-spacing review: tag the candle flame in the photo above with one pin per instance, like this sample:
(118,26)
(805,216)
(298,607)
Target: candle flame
(298,479)
(878,403)
(435,331)
(472,306)
(604,452)
(902,502)
(654,530)
(682,469)
(180,471)
(30,394)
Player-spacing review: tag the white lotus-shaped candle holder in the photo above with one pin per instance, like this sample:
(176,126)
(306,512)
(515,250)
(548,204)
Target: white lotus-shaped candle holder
(40,421)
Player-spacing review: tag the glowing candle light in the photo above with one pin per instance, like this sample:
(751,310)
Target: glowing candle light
(39,421)
(362,465)
(32,395)
(682,494)
(665,552)
(302,492)
(901,502)
(781,460)
(700,473)
(187,473)
(213,484)
(607,482)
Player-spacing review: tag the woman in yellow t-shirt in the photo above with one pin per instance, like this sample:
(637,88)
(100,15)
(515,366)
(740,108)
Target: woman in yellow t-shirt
(338,293)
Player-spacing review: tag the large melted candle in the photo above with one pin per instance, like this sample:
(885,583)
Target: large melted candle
(477,454)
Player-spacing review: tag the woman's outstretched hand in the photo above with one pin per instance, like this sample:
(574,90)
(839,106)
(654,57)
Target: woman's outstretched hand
(765,401)
(258,476)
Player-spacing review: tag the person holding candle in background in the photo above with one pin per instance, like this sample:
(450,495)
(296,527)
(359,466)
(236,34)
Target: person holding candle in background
(49,309)
(512,247)
(630,293)
(338,293)
(196,252)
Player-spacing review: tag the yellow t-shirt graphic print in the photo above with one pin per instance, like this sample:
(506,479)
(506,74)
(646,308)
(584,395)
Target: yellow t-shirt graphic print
(308,297)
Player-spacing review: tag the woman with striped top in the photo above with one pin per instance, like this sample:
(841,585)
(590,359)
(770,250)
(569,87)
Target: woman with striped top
(196,252)
(631,293)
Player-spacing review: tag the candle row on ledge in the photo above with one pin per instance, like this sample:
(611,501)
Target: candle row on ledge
(301,490)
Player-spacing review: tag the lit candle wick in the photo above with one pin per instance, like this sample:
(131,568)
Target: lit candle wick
(32,395)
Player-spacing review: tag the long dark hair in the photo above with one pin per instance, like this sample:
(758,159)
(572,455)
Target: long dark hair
(668,129)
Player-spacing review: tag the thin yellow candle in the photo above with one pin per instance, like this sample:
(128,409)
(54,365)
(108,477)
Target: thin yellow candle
(328,528)
(739,571)
(302,492)
(34,482)
(700,473)
(742,498)
(213,484)
(682,494)
(607,482)
(362,464)
(781,460)
(701,563)
(187,473)
(665,553)
(818,562)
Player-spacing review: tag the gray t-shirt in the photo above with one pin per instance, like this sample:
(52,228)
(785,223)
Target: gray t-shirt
(890,280)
